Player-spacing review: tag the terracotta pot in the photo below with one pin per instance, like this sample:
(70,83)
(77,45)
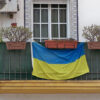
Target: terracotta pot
(71,44)
(50,44)
(93,45)
(14,24)
(16,45)
(61,44)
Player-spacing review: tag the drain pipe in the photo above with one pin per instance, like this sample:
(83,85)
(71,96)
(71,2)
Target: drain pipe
(77,21)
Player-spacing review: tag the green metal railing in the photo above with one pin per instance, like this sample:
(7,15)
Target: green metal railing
(17,65)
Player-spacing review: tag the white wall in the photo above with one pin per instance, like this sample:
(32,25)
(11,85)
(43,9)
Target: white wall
(5,21)
(50,97)
(89,13)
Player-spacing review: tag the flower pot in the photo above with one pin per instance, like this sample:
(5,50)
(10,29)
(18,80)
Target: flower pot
(16,45)
(14,25)
(50,44)
(61,44)
(93,45)
(71,44)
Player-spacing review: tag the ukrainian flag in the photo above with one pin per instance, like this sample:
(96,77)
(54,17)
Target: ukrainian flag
(58,64)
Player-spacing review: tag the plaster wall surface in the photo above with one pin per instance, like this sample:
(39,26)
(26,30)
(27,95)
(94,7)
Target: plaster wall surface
(5,20)
(89,13)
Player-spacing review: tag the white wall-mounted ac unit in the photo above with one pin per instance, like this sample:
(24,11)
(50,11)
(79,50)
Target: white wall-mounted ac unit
(2,3)
(8,6)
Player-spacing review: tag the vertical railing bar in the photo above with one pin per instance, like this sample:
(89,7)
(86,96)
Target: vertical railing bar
(97,68)
(13,66)
(26,75)
(91,66)
(20,64)
(25,64)
(31,75)
(4,66)
(15,69)
(86,58)
(9,64)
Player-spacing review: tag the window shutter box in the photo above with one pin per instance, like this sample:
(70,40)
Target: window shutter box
(60,44)
(94,45)
(16,45)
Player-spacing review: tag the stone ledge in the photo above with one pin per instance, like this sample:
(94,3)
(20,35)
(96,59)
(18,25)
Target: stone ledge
(48,87)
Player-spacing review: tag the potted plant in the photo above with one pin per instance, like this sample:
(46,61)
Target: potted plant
(14,25)
(92,35)
(16,37)
(61,44)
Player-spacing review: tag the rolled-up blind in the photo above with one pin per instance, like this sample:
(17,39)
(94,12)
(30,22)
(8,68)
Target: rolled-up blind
(50,1)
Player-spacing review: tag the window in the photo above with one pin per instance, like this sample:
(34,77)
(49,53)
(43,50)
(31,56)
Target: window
(49,21)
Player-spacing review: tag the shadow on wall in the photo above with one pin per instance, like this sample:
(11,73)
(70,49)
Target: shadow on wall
(5,21)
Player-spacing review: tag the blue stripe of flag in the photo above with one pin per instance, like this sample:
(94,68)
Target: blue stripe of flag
(52,56)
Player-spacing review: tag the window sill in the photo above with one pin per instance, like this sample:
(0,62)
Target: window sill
(48,87)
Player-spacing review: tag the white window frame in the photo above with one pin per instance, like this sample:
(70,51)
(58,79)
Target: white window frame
(53,2)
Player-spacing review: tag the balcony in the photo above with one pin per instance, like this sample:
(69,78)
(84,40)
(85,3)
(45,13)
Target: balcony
(16,74)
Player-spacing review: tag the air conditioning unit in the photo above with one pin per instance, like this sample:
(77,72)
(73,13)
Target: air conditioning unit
(8,6)
(2,3)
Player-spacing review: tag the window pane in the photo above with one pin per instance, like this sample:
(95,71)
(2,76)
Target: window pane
(54,15)
(44,15)
(54,30)
(36,30)
(36,5)
(54,5)
(63,30)
(63,15)
(44,5)
(36,15)
(44,30)
(62,6)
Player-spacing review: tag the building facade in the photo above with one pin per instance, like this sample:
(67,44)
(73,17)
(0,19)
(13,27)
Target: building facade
(85,15)
(78,14)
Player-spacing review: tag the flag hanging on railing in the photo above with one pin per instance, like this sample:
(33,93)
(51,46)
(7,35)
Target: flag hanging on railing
(58,64)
